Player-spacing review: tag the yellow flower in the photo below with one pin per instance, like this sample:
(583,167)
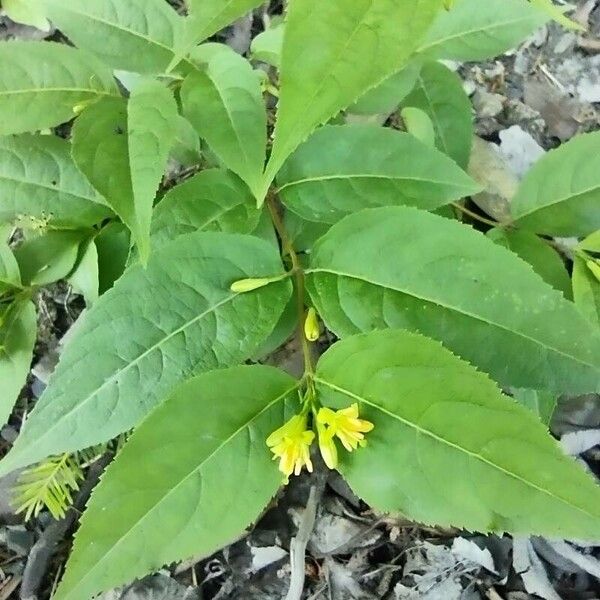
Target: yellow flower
(346,425)
(327,445)
(291,444)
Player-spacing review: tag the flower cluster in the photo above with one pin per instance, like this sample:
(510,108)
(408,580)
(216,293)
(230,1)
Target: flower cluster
(291,443)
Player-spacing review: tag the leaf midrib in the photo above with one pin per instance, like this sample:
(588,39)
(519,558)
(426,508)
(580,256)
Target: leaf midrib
(442,440)
(134,362)
(468,32)
(455,309)
(57,189)
(559,200)
(192,472)
(394,178)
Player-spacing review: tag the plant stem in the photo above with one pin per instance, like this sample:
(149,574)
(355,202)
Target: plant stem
(298,271)
(477,217)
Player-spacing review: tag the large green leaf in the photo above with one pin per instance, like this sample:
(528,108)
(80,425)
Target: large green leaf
(192,477)
(475,30)
(586,291)
(27,12)
(343,169)
(448,448)
(137,35)
(42,83)
(18,330)
(212,200)
(334,52)
(113,247)
(224,102)
(546,262)
(401,267)
(154,328)
(440,94)
(122,148)
(39,180)
(560,195)
(206,17)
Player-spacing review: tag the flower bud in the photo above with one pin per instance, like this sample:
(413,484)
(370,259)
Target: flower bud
(311,326)
(243,286)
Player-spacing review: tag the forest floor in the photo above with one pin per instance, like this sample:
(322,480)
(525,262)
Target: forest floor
(525,103)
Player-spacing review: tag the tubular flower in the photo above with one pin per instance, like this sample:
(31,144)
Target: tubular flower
(346,425)
(291,445)
(327,445)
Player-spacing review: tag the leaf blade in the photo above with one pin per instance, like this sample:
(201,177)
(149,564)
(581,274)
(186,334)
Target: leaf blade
(327,64)
(39,180)
(42,82)
(560,195)
(342,169)
(226,91)
(422,272)
(464,475)
(204,460)
(205,326)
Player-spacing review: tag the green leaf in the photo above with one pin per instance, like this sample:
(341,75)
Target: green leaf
(42,83)
(557,13)
(27,12)
(423,272)
(440,94)
(266,46)
(207,17)
(112,246)
(343,169)
(151,125)
(329,62)
(85,277)
(122,148)
(212,200)
(418,124)
(463,455)
(137,35)
(48,257)
(560,195)
(224,102)
(586,291)
(18,331)
(162,502)
(39,180)
(546,262)
(385,98)
(153,329)
(475,30)
(541,403)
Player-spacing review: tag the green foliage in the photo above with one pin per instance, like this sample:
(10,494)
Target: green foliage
(327,63)
(154,328)
(183,495)
(545,261)
(439,93)
(148,201)
(331,175)
(42,84)
(137,35)
(39,180)
(475,30)
(441,469)
(18,332)
(559,195)
(426,273)
(226,90)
